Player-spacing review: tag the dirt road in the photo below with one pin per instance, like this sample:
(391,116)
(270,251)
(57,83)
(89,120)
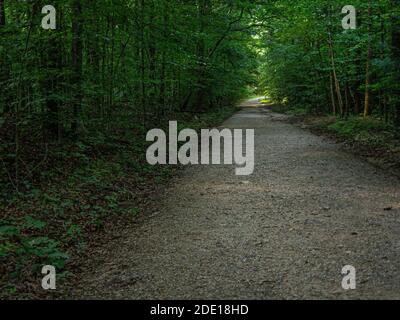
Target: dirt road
(284,232)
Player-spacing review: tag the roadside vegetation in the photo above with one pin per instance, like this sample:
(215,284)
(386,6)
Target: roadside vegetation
(98,186)
(342,82)
(76,103)
(370,137)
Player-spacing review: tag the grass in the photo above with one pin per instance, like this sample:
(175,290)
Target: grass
(364,131)
(369,137)
(370,131)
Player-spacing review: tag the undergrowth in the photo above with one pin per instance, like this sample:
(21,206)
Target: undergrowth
(83,189)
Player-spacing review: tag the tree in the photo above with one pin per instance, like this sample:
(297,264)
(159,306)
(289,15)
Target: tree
(396,59)
(77,59)
(110,66)
(2,13)
(368,64)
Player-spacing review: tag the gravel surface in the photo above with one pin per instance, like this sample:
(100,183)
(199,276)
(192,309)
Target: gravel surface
(284,232)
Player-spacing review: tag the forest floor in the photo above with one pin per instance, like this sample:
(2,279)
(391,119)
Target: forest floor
(79,197)
(284,232)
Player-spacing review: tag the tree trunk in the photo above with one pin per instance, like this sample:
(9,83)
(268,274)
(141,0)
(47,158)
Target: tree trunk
(396,59)
(367,100)
(2,14)
(4,69)
(141,5)
(346,99)
(201,91)
(94,51)
(335,78)
(332,94)
(162,96)
(76,64)
(51,85)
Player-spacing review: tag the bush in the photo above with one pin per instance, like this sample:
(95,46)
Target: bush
(368,131)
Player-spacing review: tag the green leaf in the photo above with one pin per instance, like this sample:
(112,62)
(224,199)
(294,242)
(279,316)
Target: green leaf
(9,231)
(31,223)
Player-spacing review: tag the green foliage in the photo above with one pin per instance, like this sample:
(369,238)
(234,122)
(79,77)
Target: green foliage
(29,250)
(372,132)
(32,223)
(138,64)
(77,102)
(305,55)
(357,124)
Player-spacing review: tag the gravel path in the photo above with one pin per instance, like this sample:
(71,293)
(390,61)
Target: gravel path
(284,232)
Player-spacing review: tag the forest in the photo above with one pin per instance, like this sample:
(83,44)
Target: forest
(76,101)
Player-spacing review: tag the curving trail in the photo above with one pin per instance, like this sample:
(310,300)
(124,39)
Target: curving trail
(283,233)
